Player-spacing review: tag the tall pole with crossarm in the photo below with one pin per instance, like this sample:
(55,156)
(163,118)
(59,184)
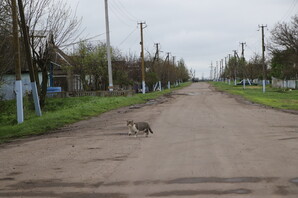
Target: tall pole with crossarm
(29,58)
(108,47)
(18,83)
(142,57)
(263,57)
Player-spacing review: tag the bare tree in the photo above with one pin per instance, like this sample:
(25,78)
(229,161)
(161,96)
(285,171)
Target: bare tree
(285,36)
(254,67)
(51,23)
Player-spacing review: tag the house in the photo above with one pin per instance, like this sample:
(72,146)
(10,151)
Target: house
(59,75)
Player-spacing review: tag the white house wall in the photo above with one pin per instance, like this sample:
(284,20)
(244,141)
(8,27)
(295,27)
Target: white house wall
(7,89)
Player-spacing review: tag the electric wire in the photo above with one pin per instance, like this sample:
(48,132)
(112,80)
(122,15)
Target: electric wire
(117,15)
(119,6)
(129,13)
(120,11)
(127,37)
(290,10)
(87,39)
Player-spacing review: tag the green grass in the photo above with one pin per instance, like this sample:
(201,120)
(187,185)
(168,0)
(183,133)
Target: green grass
(59,112)
(277,98)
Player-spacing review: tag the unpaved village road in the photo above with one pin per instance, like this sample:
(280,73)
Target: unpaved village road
(205,144)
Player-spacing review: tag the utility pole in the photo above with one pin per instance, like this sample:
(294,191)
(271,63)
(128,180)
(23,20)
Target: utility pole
(175,76)
(211,71)
(263,57)
(168,66)
(242,52)
(243,62)
(222,69)
(108,47)
(157,50)
(143,57)
(157,58)
(235,66)
(214,75)
(225,70)
(216,71)
(230,74)
(16,44)
(219,75)
(29,59)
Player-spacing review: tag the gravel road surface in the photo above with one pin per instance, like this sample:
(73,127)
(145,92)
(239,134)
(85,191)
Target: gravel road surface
(205,144)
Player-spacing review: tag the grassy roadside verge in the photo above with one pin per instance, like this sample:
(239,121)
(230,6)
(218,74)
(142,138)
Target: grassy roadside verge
(277,98)
(60,112)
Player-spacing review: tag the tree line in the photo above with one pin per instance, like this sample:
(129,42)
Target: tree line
(282,61)
(53,24)
(90,62)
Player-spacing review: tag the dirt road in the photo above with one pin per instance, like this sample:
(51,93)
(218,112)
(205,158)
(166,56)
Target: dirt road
(205,144)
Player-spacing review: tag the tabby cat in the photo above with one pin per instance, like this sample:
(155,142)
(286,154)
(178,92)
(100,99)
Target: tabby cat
(135,127)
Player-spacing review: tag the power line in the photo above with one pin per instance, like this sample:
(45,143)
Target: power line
(122,8)
(290,10)
(87,39)
(126,38)
(253,51)
(117,15)
(120,11)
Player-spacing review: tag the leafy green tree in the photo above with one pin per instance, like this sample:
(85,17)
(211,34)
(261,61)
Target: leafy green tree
(283,65)
(284,49)
(182,71)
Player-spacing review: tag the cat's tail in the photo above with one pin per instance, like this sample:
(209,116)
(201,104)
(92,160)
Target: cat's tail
(150,130)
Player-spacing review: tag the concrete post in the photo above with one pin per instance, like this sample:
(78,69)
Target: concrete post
(19,98)
(36,99)
(159,85)
(108,47)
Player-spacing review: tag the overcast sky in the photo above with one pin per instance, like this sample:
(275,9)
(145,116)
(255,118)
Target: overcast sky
(199,31)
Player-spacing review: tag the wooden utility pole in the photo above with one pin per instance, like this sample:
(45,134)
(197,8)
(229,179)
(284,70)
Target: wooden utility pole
(263,57)
(143,57)
(168,67)
(219,74)
(157,59)
(221,70)
(229,66)
(235,66)
(216,75)
(16,41)
(16,44)
(242,52)
(29,59)
(225,69)
(157,50)
(211,71)
(243,63)
(108,47)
